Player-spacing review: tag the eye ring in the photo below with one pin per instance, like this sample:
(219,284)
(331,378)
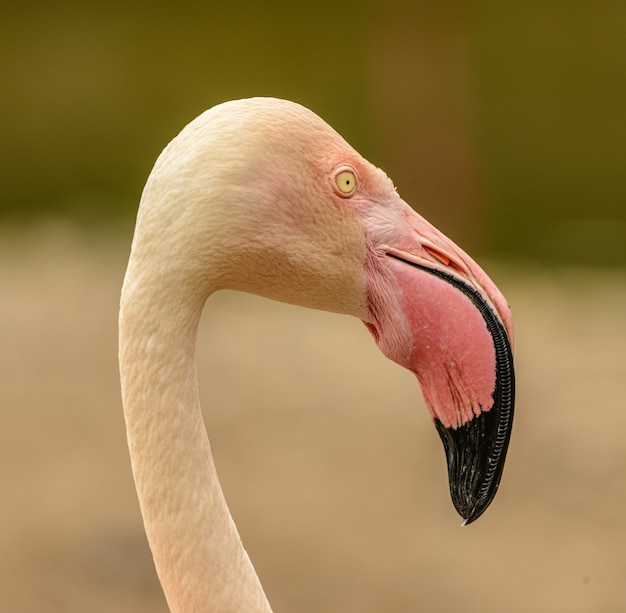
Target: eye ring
(346,181)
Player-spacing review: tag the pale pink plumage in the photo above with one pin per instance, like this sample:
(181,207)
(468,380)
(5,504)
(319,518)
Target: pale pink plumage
(249,197)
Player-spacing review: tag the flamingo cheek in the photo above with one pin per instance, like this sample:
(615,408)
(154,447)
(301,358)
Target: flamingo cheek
(442,337)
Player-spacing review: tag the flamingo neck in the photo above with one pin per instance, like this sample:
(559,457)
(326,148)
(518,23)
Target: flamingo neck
(198,554)
(234,201)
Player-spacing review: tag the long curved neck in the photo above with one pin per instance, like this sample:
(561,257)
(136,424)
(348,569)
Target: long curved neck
(198,553)
(232,202)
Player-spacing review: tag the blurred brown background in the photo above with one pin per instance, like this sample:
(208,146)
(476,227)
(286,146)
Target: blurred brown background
(504,125)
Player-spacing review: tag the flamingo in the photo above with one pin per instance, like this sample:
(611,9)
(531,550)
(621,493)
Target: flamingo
(261,195)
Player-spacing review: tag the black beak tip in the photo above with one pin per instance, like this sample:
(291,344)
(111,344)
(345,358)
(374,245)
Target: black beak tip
(475,453)
(471,510)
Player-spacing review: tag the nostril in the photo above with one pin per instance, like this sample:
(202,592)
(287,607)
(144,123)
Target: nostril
(442,258)
(455,263)
(445,259)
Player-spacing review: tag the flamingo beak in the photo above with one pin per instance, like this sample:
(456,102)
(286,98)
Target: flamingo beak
(446,321)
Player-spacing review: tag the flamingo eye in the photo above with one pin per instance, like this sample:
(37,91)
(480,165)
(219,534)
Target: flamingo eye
(345,180)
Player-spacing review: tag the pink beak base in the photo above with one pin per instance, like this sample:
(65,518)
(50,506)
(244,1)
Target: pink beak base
(446,332)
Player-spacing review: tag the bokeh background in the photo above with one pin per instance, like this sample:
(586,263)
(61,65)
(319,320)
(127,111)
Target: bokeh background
(502,124)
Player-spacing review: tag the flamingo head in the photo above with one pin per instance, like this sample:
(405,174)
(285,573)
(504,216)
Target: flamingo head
(433,310)
(282,206)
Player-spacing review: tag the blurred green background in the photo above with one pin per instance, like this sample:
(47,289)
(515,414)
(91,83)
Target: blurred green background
(503,123)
